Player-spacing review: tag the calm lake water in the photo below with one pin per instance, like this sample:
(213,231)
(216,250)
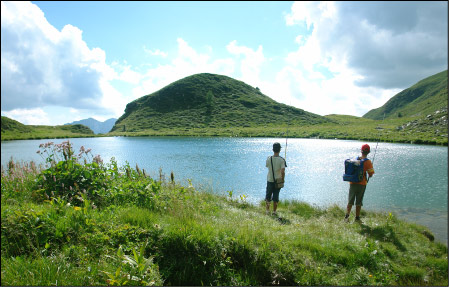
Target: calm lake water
(409,180)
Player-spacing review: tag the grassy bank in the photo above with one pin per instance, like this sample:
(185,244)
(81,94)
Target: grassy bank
(13,130)
(342,127)
(80,221)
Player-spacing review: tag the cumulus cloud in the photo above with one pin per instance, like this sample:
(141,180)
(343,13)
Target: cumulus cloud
(187,61)
(156,52)
(351,58)
(36,116)
(251,63)
(388,44)
(42,66)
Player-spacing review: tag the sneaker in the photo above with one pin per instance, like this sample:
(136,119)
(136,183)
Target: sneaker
(358,220)
(347,218)
(274,214)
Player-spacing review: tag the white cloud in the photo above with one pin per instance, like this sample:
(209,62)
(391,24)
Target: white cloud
(29,116)
(156,52)
(251,64)
(186,62)
(42,66)
(389,44)
(130,76)
(369,50)
(353,57)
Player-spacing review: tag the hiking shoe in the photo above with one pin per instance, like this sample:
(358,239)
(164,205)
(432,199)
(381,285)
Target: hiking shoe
(274,214)
(358,220)
(346,218)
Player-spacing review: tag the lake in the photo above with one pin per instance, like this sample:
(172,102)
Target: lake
(410,180)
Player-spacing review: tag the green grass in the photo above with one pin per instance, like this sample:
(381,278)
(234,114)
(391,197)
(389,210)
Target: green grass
(129,229)
(421,131)
(13,130)
(421,99)
(418,130)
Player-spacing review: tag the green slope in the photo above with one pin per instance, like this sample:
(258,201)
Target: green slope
(423,98)
(209,101)
(14,130)
(10,125)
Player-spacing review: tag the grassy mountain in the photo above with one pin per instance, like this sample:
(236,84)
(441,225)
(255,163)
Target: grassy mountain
(209,101)
(424,98)
(10,125)
(14,130)
(96,126)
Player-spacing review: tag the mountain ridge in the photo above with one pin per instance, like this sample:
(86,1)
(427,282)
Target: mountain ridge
(96,126)
(425,97)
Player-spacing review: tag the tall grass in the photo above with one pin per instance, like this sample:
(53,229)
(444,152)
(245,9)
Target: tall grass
(136,230)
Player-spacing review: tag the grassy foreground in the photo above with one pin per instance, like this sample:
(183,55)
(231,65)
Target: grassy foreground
(79,221)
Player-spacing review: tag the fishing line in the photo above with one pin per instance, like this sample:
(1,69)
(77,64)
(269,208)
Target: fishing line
(378,139)
(286,137)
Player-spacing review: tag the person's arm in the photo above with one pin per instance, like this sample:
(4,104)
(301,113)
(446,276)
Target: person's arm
(283,173)
(370,169)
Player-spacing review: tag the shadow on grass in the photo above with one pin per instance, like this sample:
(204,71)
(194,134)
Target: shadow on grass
(382,233)
(281,220)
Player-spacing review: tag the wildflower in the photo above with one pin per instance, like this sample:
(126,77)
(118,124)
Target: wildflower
(97,159)
(77,208)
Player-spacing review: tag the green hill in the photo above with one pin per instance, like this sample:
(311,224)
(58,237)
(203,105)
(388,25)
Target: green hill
(424,98)
(14,130)
(209,101)
(10,125)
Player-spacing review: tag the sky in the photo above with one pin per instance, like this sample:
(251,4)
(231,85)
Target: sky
(63,61)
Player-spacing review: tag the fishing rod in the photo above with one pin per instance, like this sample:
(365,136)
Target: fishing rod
(378,139)
(286,137)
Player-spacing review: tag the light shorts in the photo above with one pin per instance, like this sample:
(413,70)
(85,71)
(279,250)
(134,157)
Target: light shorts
(356,192)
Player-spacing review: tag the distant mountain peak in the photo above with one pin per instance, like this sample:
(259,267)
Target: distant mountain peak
(97,126)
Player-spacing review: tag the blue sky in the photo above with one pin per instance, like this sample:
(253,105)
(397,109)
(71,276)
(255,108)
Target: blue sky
(69,60)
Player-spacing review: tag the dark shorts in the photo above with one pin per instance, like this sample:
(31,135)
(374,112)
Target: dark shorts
(272,193)
(356,192)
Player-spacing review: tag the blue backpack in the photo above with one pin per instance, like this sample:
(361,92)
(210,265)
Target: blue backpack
(354,170)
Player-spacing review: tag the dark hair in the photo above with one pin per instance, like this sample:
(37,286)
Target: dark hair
(276,147)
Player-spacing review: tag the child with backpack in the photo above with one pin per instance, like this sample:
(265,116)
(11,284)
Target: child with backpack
(355,173)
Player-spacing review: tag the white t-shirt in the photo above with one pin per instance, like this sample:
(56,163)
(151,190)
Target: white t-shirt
(278,164)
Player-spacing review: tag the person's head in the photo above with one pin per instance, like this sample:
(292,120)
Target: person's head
(276,147)
(365,149)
